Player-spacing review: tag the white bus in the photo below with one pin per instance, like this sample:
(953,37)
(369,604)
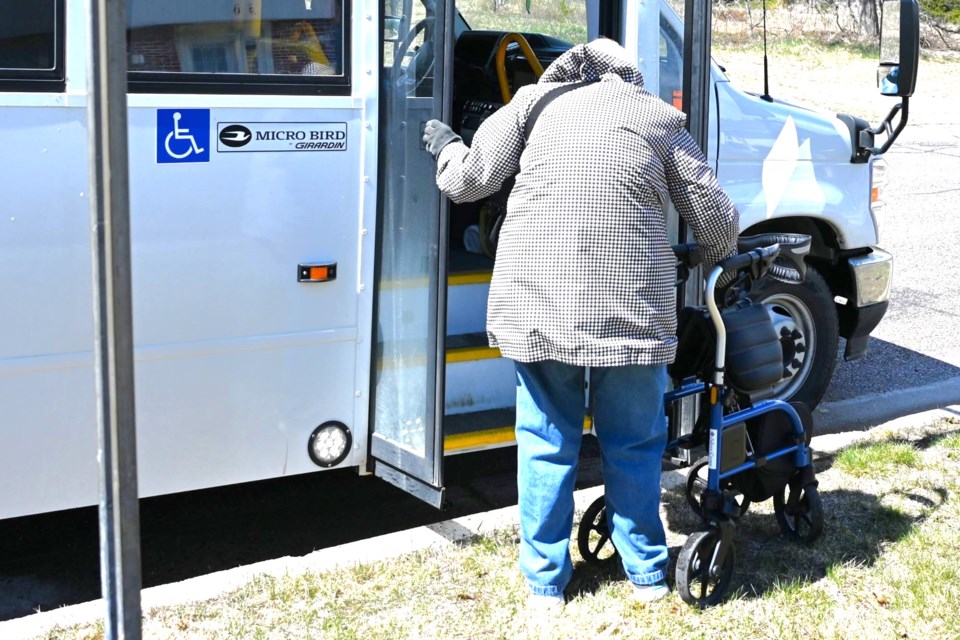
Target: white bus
(303,298)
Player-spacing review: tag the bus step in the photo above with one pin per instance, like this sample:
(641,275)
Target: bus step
(478,378)
(468,283)
(469,346)
(480,430)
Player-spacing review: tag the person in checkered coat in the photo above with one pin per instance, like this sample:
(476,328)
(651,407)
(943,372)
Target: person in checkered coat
(584,281)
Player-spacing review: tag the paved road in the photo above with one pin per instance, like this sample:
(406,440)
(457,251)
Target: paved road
(918,342)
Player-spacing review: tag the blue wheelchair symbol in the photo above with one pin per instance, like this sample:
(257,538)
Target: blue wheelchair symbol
(183,135)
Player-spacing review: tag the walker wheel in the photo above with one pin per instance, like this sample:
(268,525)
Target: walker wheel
(593,535)
(800,516)
(699,582)
(697,484)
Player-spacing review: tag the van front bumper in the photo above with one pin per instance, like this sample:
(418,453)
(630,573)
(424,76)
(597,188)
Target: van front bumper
(870,278)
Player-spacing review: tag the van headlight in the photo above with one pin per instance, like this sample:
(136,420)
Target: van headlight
(878,182)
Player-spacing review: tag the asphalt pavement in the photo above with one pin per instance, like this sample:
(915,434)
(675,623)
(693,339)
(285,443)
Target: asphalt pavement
(917,344)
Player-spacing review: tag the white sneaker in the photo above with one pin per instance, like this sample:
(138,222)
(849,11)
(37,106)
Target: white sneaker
(545,606)
(650,592)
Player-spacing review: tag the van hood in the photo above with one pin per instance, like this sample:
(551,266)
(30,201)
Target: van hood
(754,127)
(779,160)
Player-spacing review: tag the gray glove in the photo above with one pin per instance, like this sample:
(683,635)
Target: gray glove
(437,135)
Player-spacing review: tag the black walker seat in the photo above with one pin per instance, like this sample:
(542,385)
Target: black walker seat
(755,449)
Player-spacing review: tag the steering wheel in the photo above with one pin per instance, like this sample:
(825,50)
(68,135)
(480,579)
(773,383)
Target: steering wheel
(421,65)
(501,61)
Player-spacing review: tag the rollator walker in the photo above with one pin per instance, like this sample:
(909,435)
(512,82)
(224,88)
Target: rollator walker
(727,351)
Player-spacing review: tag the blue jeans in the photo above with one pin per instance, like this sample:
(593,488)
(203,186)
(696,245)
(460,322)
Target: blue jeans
(629,421)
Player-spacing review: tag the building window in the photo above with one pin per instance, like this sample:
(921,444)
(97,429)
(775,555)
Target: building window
(210,58)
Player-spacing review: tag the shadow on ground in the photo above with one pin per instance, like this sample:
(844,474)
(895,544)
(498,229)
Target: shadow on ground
(886,367)
(858,527)
(52,560)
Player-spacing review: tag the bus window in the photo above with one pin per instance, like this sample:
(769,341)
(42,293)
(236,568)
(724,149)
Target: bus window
(566,21)
(31,44)
(219,44)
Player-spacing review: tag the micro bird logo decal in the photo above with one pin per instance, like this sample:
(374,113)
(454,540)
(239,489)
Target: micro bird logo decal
(235,135)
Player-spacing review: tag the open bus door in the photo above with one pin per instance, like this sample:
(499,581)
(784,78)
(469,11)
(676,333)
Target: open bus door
(406,434)
(408,368)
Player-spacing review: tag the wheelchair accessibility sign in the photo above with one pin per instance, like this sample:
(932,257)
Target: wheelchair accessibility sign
(183,135)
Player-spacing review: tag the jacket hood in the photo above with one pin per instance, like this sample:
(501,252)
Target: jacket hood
(591,62)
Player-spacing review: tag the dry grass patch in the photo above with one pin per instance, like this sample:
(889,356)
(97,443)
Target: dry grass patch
(884,568)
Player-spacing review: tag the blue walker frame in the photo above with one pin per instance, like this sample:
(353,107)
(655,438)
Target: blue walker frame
(709,555)
(717,388)
(719,422)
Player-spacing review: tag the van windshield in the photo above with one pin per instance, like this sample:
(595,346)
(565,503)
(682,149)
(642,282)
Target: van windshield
(563,19)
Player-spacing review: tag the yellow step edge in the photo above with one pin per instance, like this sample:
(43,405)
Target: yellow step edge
(488,437)
(463,354)
(467,354)
(477,439)
(469,277)
(454,279)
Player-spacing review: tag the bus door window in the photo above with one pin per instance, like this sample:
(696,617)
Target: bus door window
(406,432)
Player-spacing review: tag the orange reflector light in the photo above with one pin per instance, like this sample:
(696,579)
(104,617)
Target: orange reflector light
(317,272)
(714,393)
(875,194)
(678,99)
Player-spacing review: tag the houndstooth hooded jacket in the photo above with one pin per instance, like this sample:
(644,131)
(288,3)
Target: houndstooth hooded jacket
(584,273)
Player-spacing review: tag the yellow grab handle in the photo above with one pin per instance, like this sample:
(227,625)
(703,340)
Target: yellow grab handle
(502,61)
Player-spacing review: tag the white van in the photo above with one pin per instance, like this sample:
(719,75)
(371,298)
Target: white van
(302,296)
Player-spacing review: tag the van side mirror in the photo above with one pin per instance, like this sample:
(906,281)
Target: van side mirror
(896,76)
(899,47)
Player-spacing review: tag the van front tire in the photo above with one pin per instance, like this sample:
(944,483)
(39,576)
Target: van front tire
(805,318)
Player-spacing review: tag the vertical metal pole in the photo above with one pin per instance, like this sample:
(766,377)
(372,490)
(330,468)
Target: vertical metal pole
(697,35)
(110,219)
(445,30)
(697,31)
(640,35)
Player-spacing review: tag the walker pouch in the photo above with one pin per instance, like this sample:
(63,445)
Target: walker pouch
(696,343)
(754,356)
(734,449)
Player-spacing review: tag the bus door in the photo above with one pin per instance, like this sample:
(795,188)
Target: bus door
(406,446)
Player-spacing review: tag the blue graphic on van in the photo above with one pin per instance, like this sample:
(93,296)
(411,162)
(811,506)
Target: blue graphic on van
(183,135)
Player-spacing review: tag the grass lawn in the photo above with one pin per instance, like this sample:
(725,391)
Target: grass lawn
(886,567)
